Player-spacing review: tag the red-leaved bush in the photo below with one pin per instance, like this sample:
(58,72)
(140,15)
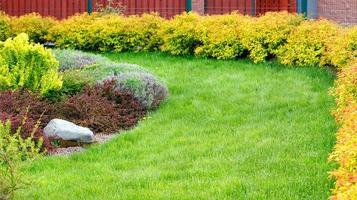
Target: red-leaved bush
(24,109)
(102,109)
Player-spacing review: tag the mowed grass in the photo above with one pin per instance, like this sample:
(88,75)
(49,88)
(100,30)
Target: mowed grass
(229,130)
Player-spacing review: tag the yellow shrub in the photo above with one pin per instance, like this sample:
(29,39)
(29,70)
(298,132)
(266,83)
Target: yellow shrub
(29,66)
(343,48)
(345,151)
(5,28)
(133,33)
(108,32)
(266,34)
(181,34)
(221,36)
(75,33)
(34,25)
(306,45)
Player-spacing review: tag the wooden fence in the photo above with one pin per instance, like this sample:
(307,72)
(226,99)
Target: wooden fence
(64,8)
(251,7)
(167,8)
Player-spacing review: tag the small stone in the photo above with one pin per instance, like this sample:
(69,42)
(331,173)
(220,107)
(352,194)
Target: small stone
(65,130)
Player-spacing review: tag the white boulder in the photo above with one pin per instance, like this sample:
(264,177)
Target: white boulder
(65,130)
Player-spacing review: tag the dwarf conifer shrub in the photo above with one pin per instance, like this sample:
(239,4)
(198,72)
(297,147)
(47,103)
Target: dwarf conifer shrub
(30,66)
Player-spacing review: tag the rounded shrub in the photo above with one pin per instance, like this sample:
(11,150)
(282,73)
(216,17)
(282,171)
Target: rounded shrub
(307,44)
(221,36)
(34,25)
(265,34)
(29,66)
(5,28)
(148,90)
(343,48)
(181,35)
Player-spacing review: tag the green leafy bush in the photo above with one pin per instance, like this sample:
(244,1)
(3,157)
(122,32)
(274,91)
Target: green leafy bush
(34,25)
(266,34)
(181,35)
(14,153)
(24,65)
(221,36)
(5,28)
(307,44)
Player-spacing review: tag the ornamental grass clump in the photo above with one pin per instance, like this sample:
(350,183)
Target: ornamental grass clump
(27,66)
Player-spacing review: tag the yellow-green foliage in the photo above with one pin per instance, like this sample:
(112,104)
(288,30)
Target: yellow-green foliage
(221,36)
(25,65)
(133,33)
(343,48)
(14,153)
(75,33)
(108,32)
(181,34)
(5,28)
(306,45)
(264,35)
(345,151)
(34,25)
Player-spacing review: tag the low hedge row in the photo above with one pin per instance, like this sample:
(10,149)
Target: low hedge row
(290,38)
(345,151)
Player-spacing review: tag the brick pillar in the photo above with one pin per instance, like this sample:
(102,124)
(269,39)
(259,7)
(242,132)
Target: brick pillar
(198,6)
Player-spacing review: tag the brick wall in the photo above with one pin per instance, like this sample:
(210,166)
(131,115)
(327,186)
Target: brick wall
(198,6)
(342,11)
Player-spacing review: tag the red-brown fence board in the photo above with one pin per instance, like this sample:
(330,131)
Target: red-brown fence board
(64,8)
(247,6)
(227,6)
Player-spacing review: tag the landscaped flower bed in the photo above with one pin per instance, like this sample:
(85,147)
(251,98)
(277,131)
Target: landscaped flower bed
(106,101)
(91,90)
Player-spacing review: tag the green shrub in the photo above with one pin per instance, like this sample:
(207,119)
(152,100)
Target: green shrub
(14,153)
(181,35)
(264,35)
(5,28)
(24,65)
(221,36)
(34,25)
(306,45)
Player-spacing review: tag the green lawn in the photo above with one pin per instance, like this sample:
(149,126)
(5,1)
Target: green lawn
(229,130)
